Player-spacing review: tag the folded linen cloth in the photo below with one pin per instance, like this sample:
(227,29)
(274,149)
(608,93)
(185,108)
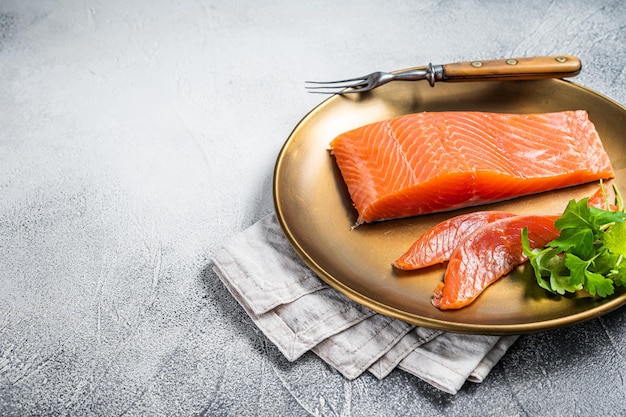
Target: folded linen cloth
(298,312)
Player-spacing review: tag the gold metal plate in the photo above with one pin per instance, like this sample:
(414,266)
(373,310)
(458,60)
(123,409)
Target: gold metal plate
(316,213)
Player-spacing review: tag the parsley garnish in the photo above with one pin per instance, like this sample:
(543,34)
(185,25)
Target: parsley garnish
(589,253)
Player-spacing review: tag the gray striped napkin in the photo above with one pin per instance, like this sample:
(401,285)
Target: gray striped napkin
(298,312)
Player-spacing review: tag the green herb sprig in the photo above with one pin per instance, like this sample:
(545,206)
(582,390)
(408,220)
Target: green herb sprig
(589,254)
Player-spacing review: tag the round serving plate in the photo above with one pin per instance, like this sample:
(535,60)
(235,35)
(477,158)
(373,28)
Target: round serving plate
(315,211)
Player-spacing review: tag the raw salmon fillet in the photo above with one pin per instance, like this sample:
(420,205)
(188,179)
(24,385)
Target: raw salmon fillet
(437,161)
(487,254)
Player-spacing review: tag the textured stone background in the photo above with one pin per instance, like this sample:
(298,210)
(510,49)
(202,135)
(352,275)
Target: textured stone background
(136,136)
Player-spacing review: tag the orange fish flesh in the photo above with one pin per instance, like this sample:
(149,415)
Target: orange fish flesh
(600,199)
(437,243)
(437,161)
(487,254)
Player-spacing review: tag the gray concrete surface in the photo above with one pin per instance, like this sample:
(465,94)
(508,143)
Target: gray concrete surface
(136,136)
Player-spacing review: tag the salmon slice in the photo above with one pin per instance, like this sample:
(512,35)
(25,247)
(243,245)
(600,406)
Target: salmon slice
(600,199)
(487,254)
(437,243)
(438,161)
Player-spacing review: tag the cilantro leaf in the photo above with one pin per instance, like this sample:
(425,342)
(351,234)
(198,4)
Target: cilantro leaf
(606,262)
(578,241)
(599,218)
(549,268)
(593,282)
(614,238)
(598,284)
(562,283)
(576,215)
(535,258)
(618,274)
(577,268)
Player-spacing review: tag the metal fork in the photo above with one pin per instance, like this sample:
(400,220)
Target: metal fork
(509,69)
(373,80)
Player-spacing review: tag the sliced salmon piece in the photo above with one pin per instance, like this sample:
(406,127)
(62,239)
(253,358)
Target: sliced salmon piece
(437,243)
(437,161)
(487,254)
(600,199)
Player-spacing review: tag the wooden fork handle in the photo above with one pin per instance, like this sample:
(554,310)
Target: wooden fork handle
(559,66)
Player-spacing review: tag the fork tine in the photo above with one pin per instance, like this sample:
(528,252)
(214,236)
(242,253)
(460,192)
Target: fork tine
(327,89)
(322,87)
(336,87)
(347,80)
(330,87)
